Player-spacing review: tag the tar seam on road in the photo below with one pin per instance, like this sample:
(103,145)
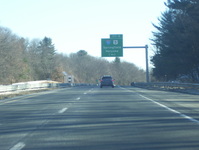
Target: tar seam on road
(172,110)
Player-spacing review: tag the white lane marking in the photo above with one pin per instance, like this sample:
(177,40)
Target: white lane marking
(78,98)
(172,110)
(88,91)
(18,146)
(63,110)
(10,101)
(18,99)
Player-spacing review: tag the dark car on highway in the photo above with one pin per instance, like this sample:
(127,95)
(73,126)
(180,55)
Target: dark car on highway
(106,81)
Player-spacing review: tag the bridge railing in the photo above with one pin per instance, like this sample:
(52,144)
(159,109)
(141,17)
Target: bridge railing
(38,85)
(27,85)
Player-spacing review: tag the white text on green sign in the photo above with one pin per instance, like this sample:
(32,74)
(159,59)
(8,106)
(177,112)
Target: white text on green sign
(112,47)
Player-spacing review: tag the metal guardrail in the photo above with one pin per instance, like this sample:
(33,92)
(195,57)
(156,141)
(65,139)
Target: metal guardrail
(152,85)
(169,85)
(182,87)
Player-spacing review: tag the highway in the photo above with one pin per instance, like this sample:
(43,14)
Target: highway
(93,118)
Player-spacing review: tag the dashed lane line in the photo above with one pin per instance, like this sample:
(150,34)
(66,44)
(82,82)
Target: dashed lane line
(78,98)
(62,110)
(18,146)
(21,145)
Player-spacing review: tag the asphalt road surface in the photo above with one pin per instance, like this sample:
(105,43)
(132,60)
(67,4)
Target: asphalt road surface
(93,118)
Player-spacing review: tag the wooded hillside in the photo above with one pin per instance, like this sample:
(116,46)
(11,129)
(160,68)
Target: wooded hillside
(23,60)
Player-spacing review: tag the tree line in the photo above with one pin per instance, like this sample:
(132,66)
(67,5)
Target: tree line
(29,60)
(176,41)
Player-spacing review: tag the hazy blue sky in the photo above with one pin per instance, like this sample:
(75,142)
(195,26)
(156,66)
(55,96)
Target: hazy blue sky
(75,25)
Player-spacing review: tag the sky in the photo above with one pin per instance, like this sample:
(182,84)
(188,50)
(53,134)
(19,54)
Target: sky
(75,25)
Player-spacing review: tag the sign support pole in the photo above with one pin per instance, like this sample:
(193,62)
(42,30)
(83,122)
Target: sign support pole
(147,64)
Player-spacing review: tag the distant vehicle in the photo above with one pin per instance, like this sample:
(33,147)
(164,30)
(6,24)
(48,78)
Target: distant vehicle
(106,81)
(132,83)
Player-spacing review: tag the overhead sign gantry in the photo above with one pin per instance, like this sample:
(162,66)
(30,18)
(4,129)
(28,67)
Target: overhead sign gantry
(113,47)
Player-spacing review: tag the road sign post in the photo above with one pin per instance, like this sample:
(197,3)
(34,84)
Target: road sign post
(147,64)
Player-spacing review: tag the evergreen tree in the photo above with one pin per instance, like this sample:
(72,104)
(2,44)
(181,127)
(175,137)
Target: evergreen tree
(176,41)
(46,51)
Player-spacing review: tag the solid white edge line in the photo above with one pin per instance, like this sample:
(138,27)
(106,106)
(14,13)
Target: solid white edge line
(63,110)
(18,146)
(172,110)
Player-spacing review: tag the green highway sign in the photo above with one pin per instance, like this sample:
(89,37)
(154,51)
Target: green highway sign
(116,36)
(112,47)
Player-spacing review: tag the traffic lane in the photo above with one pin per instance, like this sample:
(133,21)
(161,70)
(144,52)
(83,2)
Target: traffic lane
(25,114)
(115,119)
